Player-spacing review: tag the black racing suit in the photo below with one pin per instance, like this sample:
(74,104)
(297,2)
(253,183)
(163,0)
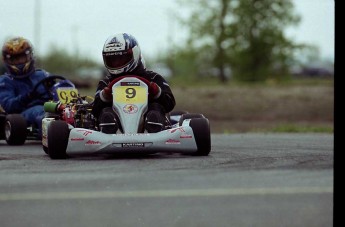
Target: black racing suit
(166,99)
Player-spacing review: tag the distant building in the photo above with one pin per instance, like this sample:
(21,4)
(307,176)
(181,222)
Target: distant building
(315,70)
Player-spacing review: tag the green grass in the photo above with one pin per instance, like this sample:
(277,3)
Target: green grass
(294,106)
(213,81)
(293,128)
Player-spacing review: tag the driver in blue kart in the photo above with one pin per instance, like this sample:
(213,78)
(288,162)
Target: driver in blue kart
(122,56)
(17,94)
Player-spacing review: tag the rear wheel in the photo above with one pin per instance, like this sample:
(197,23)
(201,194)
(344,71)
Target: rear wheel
(15,129)
(177,112)
(189,116)
(175,115)
(202,134)
(58,133)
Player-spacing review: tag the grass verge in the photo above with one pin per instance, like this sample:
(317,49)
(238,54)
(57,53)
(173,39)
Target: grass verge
(305,106)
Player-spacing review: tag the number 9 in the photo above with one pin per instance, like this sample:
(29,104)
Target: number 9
(131,92)
(73,94)
(63,96)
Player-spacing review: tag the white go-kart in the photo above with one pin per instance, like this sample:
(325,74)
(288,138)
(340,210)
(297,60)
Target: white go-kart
(75,130)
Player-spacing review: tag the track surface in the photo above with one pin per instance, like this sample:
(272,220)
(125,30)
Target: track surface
(247,180)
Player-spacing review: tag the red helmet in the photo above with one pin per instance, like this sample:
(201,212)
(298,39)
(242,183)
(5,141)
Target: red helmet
(17,54)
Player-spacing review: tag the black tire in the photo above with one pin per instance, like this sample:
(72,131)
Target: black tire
(45,149)
(189,116)
(58,134)
(15,129)
(174,113)
(177,112)
(202,133)
(2,125)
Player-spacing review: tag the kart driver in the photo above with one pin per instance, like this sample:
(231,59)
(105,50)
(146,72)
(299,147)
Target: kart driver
(122,56)
(16,85)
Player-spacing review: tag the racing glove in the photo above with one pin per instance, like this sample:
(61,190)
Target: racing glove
(34,95)
(30,97)
(106,94)
(154,90)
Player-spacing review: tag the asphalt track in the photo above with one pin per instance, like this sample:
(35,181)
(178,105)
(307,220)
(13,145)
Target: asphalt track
(247,180)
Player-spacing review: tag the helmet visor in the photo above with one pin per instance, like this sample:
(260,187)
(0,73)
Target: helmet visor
(117,59)
(18,59)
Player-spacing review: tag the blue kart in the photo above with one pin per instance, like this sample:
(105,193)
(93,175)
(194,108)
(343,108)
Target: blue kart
(14,128)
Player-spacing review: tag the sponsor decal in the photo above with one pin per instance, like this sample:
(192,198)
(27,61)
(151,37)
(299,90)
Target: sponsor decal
(130,83)
(133,134)
(177,129)
(77,139)
(130,109)
(172,141)
(133,145)
(114,43)
(92,142)
(114,53)
(84,132)
(186,136)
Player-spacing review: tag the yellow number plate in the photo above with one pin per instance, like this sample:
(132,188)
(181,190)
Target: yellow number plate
(130,94)
(66,95)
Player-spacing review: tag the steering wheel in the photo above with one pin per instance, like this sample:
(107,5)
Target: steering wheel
(47,82)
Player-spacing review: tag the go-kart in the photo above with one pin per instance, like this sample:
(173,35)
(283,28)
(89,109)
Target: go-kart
(13,127)
(77,131)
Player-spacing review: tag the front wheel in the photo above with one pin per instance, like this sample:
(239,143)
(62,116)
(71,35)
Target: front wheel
(15,129)
(58,134)
(45,149)
(202,134)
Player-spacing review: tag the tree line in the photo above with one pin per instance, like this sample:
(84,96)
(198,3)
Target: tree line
(242,40)
(239,39)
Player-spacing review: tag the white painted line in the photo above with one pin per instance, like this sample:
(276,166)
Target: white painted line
(161,193)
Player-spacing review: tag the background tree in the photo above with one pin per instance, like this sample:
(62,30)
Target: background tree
(246,36)
(71,65)
(207,27)
(60,61)
(260,49)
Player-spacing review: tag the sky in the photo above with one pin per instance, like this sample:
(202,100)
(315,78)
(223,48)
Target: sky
(82,26)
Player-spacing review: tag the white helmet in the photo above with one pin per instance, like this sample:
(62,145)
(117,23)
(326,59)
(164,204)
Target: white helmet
(121,54)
